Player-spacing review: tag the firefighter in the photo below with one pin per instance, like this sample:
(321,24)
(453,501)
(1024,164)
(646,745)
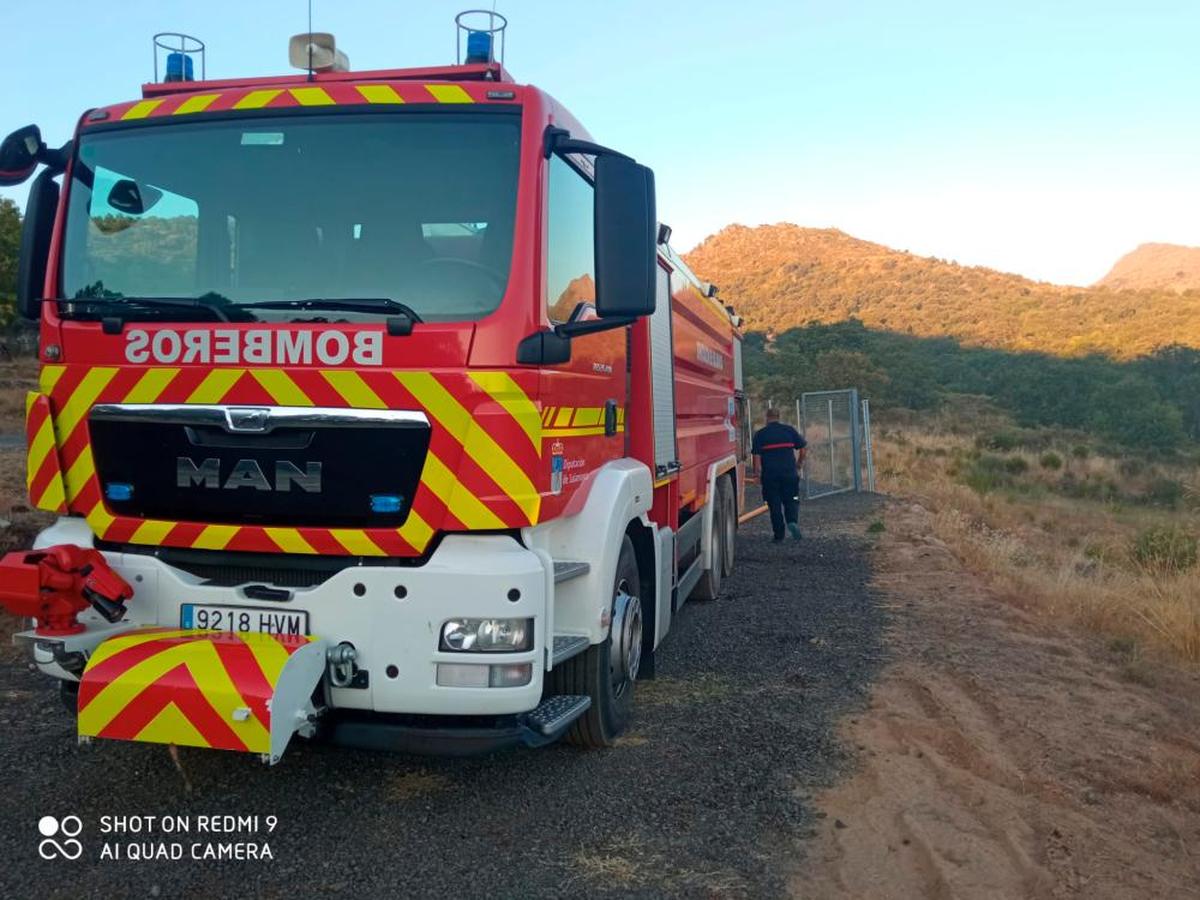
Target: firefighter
(780,451)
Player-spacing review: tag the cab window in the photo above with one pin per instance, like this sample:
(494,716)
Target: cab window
(570,261)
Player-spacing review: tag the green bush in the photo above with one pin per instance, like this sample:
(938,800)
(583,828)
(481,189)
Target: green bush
(1165,548)
(1004,441)
(1165,492)
(876,527)
(984,474)
(1051,460)
(1080,451)
(1016,465)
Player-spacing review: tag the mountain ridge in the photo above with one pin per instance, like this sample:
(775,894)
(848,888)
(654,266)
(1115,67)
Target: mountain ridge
(785,276)
(1156,266)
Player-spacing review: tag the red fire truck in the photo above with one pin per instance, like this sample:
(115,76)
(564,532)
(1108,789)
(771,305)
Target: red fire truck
(373,405)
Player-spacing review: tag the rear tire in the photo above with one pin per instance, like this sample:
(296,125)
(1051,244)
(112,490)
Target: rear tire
(709,585)
(731,523)
(606,672)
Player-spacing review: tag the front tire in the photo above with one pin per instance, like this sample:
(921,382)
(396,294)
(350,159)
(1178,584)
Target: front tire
(709,585)
(606,671)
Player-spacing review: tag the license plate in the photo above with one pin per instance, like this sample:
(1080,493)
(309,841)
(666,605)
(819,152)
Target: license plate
(211,617)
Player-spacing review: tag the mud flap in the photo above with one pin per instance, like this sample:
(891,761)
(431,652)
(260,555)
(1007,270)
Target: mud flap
(229,691)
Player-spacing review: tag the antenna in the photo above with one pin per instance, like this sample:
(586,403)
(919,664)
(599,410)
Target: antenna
(310,41)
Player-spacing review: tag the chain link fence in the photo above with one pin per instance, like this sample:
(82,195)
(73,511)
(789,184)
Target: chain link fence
(830,424)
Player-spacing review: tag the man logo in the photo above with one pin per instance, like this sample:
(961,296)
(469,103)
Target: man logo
(247,473)
(69,827)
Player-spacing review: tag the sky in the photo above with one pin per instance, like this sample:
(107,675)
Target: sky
(1045,138)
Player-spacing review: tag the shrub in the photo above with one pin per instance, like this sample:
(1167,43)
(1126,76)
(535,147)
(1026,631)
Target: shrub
(876,527)
(1080,451)
(1003,441)
(1051,460)
(984,474)
(1165,548)
(1165,492)
(1016,465)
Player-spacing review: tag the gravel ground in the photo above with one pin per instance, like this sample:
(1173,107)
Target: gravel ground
(706,796)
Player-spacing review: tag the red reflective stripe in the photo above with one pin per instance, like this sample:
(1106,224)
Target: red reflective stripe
(789,445)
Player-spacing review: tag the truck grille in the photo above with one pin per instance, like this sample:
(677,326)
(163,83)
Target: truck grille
(286,466)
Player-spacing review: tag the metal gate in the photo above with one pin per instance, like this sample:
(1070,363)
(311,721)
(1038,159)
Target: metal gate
(832,429)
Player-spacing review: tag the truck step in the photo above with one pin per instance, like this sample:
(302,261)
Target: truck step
(566,646)
(565,571)
(555,714)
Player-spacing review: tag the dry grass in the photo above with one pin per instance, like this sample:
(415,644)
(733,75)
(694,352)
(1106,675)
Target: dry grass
(1069,556)
(624,863)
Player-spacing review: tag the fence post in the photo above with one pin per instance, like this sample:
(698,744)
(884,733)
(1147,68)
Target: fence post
(832,443)
(855,438)
(799,420)
(869,445)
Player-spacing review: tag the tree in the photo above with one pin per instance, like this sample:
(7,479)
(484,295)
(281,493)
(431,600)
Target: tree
(10,248)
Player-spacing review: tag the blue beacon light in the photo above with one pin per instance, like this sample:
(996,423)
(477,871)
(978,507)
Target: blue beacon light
(479,47)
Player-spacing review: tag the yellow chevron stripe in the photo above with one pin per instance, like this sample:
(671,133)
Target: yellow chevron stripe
(282,388)
(150,386)
(195,104)
(215,537)
(40,448)
(215,386)
(547,415)
(379,93)
(576,432)
(448,93)
(502,388)
(289,540)
(355,541)
(311,96)
(353,389)
(49,378)
(270,655)
(257,99)
(416,530)
(477,443)
(99,519)
(80,472)
(53,497)
(141,109)
(151,532)
(81,401)
(588,415)
(115,645)
(463,505)
(171,726)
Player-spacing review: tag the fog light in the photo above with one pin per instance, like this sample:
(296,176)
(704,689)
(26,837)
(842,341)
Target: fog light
(487,635)
(461,675)
(511,675)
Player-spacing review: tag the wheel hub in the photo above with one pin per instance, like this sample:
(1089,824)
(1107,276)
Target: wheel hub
(625,648)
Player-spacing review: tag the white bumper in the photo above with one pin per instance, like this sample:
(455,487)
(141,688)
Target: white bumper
(392,630)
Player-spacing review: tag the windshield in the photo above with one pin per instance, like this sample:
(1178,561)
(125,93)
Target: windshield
(412,207)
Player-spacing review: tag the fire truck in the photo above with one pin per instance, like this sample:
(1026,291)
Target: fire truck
(374,406)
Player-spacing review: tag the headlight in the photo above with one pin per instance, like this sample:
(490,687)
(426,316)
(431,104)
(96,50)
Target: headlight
(487,635)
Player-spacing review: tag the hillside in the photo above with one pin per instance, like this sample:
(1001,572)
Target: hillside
(1156,267)
(783,276)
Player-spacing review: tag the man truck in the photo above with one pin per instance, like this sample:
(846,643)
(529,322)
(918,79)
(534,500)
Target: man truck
(373,405)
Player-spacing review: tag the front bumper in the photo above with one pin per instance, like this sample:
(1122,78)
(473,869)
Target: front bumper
(391,615)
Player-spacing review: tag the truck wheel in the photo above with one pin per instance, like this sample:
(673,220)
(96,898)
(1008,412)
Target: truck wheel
(709,585)
(729,504)
(606,672)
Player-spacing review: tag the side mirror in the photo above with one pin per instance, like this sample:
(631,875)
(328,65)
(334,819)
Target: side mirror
(19,155)
(626,237)
(35,243)
(133,199)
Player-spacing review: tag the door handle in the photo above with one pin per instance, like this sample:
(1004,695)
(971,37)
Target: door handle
(610,417)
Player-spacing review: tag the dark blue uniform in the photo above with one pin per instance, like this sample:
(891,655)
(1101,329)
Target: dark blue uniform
(776,445)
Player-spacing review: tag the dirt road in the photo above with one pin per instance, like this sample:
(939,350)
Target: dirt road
(706,796)
(1002,756)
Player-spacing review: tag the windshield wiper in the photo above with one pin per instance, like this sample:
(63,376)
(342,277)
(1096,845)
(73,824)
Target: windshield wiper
(350,304)
(116,309)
